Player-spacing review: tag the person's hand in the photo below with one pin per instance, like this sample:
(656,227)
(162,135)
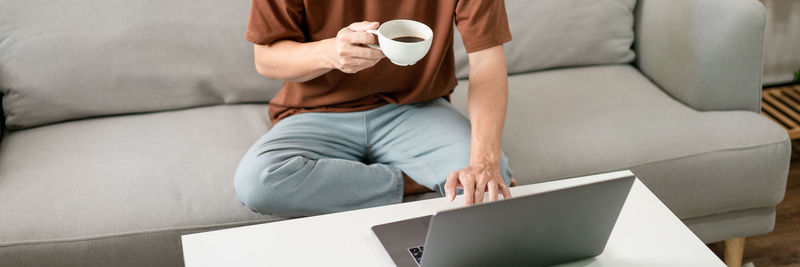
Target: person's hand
(475,180)
(350,53)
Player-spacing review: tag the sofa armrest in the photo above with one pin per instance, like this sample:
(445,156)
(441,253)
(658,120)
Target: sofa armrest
(705,53)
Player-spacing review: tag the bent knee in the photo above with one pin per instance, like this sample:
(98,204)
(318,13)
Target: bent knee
(267,189)
(258,196)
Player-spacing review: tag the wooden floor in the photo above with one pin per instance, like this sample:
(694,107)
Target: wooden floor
(782,246)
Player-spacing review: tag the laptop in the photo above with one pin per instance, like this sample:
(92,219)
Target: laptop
(540,229)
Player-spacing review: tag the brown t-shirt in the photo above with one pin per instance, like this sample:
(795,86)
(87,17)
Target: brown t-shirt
(483,24)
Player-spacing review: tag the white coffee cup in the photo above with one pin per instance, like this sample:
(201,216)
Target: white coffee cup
(403,53)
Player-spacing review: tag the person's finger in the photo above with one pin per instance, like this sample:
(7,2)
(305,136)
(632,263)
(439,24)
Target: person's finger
(492,188)
(362,52)
(480,189)
(363,26)
(469,188)
(357,63)
(360,38)
(505,190)
(450,185)
(348,70)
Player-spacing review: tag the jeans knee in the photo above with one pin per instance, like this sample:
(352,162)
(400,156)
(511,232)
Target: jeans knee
(256,193)
(266,189)
(248,189)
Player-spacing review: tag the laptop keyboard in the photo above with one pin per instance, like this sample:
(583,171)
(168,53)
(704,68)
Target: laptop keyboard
(416,253)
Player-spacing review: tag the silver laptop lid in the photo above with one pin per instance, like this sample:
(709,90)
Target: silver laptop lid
(541,229)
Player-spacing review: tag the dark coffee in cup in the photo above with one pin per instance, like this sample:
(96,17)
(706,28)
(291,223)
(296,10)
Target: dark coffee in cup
(408,39)
(403,41)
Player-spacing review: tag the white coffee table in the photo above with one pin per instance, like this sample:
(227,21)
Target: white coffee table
(646,234)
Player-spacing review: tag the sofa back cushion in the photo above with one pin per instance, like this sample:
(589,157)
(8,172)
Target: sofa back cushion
(562,33)
(71,59)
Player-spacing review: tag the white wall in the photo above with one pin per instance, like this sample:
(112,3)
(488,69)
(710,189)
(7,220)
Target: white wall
(781,41)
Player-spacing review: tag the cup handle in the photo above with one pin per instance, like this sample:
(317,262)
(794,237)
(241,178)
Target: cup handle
(375,32)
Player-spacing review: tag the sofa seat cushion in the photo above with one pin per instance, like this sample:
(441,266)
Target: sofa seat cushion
(578,121)
(78,183)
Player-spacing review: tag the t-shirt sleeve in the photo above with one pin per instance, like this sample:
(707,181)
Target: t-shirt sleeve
(482,23)
(274,20)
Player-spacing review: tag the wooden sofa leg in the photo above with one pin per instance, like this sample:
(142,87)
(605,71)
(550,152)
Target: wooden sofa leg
(734,249)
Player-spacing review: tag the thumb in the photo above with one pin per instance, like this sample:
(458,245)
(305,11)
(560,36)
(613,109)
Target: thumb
(363,26)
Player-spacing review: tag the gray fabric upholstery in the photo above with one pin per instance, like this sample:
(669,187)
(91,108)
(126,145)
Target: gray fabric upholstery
(560,33)
(160,248)
(705,53)
(73,59)
(707,182)
(723,226)
(120,190)
(96,188)
(572,122)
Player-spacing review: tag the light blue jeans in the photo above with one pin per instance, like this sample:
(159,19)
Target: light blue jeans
(313,163)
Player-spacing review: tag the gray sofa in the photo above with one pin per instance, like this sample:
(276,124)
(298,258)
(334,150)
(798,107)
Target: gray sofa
(125,120)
